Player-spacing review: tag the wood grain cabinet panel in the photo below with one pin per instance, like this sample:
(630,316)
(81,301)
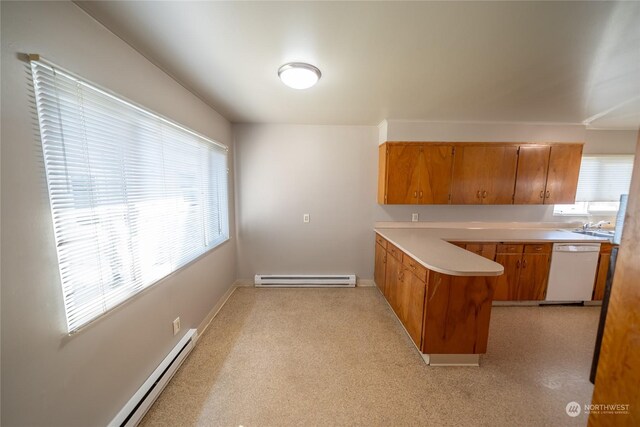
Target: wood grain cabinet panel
(531,180)
(485,250)
(484,174)
(564,169)
(380,267)
(392,278)
(526,271)
(457,314)
(436,162)
(412,307)
(507,283)
(601,273)
(403,173)
(534,272)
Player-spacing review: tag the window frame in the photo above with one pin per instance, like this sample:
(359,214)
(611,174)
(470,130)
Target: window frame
(223,211)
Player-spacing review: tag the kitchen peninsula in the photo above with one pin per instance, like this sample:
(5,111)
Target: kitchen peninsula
(442,292)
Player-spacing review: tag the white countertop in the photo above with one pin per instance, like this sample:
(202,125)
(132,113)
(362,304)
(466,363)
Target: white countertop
(431,247)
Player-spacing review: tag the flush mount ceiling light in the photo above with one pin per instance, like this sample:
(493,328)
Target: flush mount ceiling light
(299,75)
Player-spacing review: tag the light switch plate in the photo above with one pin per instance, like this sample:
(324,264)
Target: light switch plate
(305,218)
(176,326)
(414,217)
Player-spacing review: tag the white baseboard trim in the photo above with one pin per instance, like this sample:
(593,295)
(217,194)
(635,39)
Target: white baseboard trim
(365,283)
(216,309)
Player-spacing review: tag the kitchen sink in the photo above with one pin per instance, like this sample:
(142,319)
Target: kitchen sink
(595,233)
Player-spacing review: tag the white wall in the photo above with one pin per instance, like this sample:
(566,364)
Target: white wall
(48,378)
(283,171)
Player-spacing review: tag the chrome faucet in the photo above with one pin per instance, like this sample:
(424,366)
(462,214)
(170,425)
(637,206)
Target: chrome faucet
(601,223)
(587,225)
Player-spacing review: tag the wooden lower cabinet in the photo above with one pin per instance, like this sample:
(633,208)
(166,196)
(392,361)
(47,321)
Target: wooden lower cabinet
(442,314)
(601,272)
(412,305)
(392,281)
(507,283)
(380,267)
(526,271)
(457,314)
(534,273)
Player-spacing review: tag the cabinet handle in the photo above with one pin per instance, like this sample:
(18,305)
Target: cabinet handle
(524,263)
(415,194)
(542,194)
(484,194)
(421,194)
(478,194)
(518,264)
(548,194)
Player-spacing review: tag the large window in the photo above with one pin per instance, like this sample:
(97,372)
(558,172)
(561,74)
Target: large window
(133,195)
(603,178)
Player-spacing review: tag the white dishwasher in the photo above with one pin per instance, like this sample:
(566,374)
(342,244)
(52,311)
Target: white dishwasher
(573,271)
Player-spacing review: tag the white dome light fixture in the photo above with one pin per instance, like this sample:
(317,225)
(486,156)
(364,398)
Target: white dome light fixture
(299,75)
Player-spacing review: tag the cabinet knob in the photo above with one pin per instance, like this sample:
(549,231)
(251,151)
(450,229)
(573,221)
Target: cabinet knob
(548,194)
(415,194)
(484,194)
(421,194)
(518,264)
(542,194)
(524,264)
(478,194)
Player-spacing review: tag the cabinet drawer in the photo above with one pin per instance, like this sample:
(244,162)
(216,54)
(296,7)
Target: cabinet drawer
(415,267)
(394,252)
(542,248)
(381,241)
(510,249)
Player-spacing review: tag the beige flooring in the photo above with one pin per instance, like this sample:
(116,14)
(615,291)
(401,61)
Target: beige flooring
(316,357)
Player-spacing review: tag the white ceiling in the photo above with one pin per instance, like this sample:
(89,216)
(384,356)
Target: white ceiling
(559,62)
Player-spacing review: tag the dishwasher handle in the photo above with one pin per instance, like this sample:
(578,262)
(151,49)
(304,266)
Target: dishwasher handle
(576,248)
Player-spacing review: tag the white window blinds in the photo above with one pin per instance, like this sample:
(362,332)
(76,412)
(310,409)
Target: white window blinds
(133,195)
(603,178)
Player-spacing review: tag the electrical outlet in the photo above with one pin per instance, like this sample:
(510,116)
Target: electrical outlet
(305,218)
(176,326)
(414,217)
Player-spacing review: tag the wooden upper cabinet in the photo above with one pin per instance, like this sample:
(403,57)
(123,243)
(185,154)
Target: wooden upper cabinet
(484,174)
(478,173)
(403,173)
(435,174)
(531,181)
(564,169)
(414,173)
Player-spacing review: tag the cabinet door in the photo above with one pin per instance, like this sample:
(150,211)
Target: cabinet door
(499,167)
(468,175)
(403,173)
(392,277)
(485,250)
(564,169)
(380,267)
(484,174)
(436,162)
(507,284)
(413,306)
(533,277)
(533,164)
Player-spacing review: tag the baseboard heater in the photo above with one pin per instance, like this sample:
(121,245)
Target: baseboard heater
(142,400)
(308,281)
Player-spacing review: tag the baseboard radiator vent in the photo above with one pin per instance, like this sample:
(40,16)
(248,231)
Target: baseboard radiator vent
(305,281)
(142,400)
